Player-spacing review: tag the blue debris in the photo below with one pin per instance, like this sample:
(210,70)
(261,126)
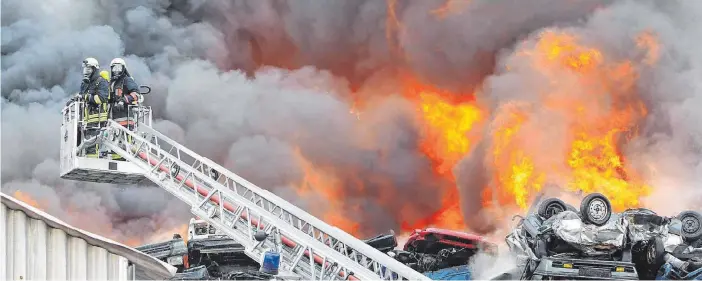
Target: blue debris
(461,272)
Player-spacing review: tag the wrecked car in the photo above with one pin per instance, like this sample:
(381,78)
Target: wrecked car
(216,251)
(558,241)
(683,262)
(173,252)
(383,242)
(670,248)
(437,253)
(205,254)
(441,248)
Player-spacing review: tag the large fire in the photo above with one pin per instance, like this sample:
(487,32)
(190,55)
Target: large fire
(596,107)
(585,99)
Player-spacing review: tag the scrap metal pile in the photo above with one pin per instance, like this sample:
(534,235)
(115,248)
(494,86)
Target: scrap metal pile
(207,254)
(558,241)
(553,241)
(438,253)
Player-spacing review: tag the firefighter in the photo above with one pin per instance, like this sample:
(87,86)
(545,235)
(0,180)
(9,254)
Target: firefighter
(95,92)
(125,92)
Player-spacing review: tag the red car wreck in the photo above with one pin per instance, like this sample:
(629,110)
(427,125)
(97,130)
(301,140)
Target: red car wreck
(433,249)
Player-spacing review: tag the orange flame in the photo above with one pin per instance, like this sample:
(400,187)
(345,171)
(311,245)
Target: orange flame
(648,42)
(602,110)
(448,119)
(446,141)
(26,198)
(318,186)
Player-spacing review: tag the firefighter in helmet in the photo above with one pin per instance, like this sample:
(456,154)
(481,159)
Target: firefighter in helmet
(94,90)
(125,92)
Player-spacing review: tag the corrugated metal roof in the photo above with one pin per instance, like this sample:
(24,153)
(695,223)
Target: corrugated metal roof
(40,246)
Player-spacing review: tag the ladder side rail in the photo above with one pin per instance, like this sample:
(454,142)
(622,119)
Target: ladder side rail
(138,157)
(368,256)
(302,268)
(163,169)
(280,224)
(370,262)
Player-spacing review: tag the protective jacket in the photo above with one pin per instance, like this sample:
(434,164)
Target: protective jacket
(96,95)
(123,89)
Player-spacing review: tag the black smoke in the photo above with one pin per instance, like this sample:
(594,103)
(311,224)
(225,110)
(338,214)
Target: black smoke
(254,84)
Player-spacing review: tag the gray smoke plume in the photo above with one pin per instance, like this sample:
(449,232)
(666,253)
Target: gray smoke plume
(254,85)
(666,153)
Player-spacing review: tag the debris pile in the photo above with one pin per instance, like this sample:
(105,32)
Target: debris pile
(556,240)
(207,254)
(553,241)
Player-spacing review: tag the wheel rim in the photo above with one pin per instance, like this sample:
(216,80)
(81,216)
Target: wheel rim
(597,209)
(690,224)
(553,209)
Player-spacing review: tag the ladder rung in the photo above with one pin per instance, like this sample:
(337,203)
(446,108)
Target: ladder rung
(239,208)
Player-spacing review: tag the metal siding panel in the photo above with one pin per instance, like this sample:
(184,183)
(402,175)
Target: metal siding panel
(131,271)
(57,255)
(5,255)
(97,258)
(115,272)
(77,258)
(37,250)
(123,265)
(9,244)
(19,247)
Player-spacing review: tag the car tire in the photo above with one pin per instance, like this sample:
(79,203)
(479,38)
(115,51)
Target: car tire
(655,253)
(551,207)
(691,228)
(595,209)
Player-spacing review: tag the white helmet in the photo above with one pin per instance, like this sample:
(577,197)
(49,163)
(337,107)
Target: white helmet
(118,66)
(89,66)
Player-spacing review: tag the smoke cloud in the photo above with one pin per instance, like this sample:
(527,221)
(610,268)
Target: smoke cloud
(666,153)
(265,88)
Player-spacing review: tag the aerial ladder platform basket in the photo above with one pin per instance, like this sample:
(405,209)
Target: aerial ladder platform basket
(310,249)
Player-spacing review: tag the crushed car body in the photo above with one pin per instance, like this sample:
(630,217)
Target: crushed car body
(437,253)
(173,252)
(205,254)
(216,251)
(556,241)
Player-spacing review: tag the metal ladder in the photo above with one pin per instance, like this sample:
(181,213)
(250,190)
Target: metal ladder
(310,249)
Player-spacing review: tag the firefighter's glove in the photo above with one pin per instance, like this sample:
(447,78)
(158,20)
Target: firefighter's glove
(119,106)
(75,97)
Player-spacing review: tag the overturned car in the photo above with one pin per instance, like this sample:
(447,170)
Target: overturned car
(557,241)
